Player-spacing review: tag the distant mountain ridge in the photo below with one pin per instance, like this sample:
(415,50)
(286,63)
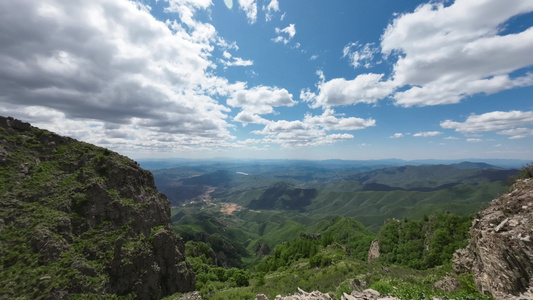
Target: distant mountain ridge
(432,177)
(228,163)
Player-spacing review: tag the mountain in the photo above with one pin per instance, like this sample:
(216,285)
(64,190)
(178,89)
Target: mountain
(81,221)
(431,177)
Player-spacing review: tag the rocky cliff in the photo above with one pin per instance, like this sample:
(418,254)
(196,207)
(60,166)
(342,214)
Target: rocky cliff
(500,249)
(76,219)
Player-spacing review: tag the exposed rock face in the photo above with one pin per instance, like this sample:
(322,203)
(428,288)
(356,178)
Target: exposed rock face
(373,253)
(90,221)
(500,249)
(448,284)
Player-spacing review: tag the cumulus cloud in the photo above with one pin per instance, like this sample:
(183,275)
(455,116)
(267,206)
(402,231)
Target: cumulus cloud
(492,121)
(187,8)
(313,130)
(444,54)
(291,134)
(427,134)
(517,133)
(397,135)
(365,88)
(261,99)
(111,62)
(360,55)
(447,53)
(329,121)
(257,101)
(285,35)
(250,9)
(234,61)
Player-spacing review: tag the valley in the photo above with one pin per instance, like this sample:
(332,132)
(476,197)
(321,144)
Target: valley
(259,217)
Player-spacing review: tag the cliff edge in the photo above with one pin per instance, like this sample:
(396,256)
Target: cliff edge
(80,220)
(500,249)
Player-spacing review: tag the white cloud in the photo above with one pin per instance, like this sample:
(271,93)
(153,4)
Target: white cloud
(474,140)
(246,117)
(234,61)
(451,138)
(517,133)
(365,88)
(313,57)
(285,35)
(237,61)
(449,53)
(443,53)
(492,121)
(397,135)
(329,121)
(360,55)
(312,130)
(186,9)
(291,134)
(109,62)
(427,133)
(226,55)
(273,6)
(250,8)
(257,101)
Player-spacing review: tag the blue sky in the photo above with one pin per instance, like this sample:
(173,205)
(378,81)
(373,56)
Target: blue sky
(275,78)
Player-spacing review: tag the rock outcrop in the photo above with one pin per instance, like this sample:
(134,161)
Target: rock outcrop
(303,295)
(80,219)
(373,253)
(368,294)
(500,249)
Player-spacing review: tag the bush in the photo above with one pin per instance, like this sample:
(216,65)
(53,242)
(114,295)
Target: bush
(383,288)
(241,278)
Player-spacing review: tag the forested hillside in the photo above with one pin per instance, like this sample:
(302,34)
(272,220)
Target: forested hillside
(270,230)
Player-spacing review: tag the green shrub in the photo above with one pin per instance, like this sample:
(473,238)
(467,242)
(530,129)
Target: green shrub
(343,288)
(384,288)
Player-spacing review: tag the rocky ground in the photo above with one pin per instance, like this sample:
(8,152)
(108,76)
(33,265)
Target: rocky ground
(500,250)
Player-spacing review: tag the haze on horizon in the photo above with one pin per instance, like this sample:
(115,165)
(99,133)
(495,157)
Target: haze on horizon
(294,79)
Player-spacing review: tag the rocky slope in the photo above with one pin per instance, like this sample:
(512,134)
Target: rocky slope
(76,219)
(500,250)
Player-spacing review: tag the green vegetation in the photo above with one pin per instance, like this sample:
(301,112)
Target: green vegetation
(526,172)
(330,256)
(209,277)
(346,274)
(317,244)
(423,244)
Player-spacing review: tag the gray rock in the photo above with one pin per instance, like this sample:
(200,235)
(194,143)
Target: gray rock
(501,258)
(448,284)
(261,297)
(373,253)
